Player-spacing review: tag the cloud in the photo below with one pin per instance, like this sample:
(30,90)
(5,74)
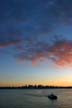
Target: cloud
(59,51)
(10,43)
(62,53)
(25,24)
(34,17)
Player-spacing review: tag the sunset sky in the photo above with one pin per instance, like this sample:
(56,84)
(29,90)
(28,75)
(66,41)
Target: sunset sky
(35,42)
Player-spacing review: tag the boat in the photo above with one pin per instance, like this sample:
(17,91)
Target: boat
(52,97)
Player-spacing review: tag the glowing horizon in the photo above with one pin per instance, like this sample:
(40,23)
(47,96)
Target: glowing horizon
(58,83)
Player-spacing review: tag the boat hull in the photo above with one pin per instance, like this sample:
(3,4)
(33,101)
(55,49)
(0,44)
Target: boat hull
(52,97)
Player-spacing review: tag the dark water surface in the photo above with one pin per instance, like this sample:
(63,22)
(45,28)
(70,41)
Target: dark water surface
(35,98)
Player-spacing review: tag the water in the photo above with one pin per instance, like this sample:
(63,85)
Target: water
(35,98)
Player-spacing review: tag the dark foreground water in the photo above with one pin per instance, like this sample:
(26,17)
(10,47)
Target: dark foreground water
(35,98)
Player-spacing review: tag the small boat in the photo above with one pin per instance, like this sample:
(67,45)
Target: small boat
(52,97)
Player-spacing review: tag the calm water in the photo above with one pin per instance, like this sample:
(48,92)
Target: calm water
(35,98)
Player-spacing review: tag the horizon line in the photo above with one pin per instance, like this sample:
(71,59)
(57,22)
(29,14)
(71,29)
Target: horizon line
(36,86)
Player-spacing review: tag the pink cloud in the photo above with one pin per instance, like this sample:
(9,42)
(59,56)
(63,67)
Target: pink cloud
(9,43)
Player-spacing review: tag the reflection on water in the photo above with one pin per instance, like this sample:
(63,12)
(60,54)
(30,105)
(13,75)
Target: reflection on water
(35,98)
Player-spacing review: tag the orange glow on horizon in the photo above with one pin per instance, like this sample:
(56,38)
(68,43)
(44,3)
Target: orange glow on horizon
(44,83)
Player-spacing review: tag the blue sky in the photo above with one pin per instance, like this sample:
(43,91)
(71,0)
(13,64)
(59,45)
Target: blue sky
(29,30)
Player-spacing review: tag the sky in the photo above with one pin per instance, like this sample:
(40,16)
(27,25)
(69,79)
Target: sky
(35,42)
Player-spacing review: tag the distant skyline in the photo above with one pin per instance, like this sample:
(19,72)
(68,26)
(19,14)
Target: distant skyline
(36,42)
